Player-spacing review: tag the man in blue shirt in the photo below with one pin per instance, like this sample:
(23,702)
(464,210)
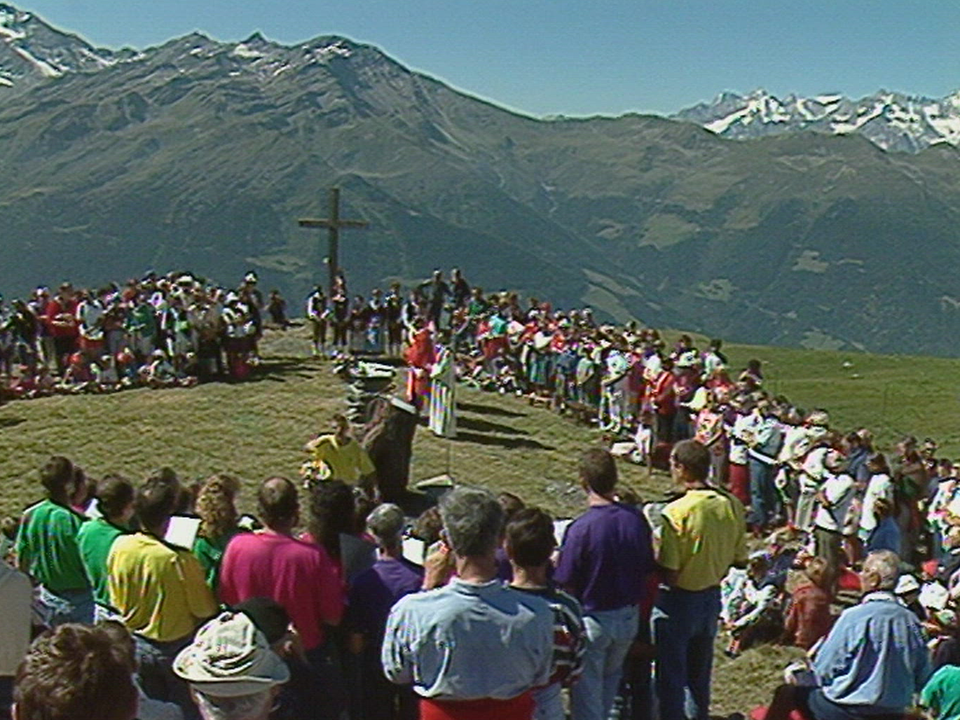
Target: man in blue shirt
(873,661)
(605,556)
(474,648)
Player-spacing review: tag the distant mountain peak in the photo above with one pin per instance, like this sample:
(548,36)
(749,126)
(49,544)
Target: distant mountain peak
(891,120)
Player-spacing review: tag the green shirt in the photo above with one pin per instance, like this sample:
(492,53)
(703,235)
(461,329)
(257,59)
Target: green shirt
(210,553)
(95,540)
(47,546)
(941,694)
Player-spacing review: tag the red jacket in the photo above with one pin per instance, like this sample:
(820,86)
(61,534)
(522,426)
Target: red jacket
(809,617)
(56,307)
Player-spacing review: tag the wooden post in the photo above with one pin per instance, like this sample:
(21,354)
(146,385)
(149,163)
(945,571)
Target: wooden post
(333,223)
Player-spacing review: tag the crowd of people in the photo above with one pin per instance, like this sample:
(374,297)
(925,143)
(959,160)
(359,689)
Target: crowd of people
(158,331)
(318,608)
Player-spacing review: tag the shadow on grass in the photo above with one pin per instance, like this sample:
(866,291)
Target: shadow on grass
(486,426)
(6,422)
(277,370)
(488,410)
(506,442)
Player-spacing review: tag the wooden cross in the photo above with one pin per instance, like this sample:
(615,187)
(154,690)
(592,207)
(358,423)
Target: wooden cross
(333,223)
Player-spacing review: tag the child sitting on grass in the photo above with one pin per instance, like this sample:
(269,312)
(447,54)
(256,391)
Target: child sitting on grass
(751,610)
(809,618)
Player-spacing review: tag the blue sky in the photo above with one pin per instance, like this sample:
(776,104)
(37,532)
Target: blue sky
(582,57)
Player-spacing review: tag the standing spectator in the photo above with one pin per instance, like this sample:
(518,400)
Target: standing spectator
(604,559)
(460,666)
(158,591)
(232,672)
(702,536)
(299,575)
(372,595)
(61,321)
(115,501)
(38,305)
(830,521)
(762,452)
(436,292)
(47,548)
(392,308)
(340,313)
(90,317)
(72,673)
(318,315)
(460,290)
(142,328)
(530,542)
(217,509)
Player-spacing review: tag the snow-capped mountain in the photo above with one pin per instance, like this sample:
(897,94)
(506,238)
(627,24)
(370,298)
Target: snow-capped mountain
(31,50)
(893,121)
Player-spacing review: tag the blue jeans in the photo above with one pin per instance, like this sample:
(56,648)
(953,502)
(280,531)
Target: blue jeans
(66,606)
(609,636)
(684,625)
(763,494)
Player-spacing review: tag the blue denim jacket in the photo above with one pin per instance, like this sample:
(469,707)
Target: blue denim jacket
(874,656)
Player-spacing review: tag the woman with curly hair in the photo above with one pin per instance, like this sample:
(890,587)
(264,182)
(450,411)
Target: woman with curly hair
(218,523)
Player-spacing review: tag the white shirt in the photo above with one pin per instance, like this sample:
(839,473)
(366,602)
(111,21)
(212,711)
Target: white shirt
(743,428)
(89,318)
(796,443)
(813,471)
(879,487)
(838,492)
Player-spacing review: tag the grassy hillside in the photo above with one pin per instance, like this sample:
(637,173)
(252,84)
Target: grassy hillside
(257,429)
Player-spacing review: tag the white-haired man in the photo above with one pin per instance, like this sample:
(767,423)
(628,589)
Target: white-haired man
(232,672)
(871,663)
(474,648)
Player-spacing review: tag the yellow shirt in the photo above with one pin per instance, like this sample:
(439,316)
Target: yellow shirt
(348,462)
(158,590)
(702,536)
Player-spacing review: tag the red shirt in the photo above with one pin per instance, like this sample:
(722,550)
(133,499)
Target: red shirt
(64,326)
(809,618)
(298,575)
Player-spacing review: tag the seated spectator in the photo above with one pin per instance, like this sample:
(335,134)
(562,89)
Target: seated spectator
(115,497)
(75,672)
(872,661)
(47,548)
(752,610)
(809,618)
(341,456)
(232,672)
(434,641)
(15,597)
(372,595)
(530,543)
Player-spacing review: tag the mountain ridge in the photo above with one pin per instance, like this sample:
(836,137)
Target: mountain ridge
(203,154)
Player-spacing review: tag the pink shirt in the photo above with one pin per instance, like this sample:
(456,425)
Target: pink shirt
(298,575)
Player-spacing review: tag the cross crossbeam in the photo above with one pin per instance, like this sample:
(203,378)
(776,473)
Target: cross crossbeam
(332,224)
